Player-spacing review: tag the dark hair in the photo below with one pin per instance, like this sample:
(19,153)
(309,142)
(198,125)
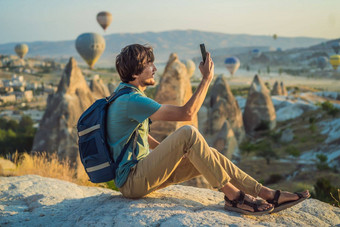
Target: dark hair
(132,59)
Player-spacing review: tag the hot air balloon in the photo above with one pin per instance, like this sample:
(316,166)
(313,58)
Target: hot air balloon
(90,47)
(322,62)
(274,36)
(335,61)
(232,64)
(336,47)
(104,19)
(256,53)
(21,50)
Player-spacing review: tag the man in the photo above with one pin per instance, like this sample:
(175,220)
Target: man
(182,155)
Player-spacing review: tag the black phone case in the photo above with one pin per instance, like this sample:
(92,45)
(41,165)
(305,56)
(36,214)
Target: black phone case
(203,51)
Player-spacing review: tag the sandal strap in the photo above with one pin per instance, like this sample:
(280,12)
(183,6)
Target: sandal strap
(240,200)
(299,194)
(275,201)
(255,206)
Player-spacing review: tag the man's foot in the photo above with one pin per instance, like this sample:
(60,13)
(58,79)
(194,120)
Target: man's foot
(283,200)
(247,204)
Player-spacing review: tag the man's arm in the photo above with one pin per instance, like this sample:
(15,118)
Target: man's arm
(153,143)
(190,109)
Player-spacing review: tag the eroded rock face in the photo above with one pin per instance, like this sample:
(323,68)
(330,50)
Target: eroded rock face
(259,113)
(98,88)
(224,106)
(283,89)
(53,202)
(57,131)
(174,88)
(277,90)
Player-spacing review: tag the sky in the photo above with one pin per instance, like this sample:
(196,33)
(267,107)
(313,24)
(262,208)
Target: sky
(55,20)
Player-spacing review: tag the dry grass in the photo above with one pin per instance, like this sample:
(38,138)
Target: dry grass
(49,166)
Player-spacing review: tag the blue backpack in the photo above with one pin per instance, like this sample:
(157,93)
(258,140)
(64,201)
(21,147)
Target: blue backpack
(94,150)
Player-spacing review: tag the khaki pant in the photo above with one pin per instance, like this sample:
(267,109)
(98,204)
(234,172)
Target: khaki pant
(181,156)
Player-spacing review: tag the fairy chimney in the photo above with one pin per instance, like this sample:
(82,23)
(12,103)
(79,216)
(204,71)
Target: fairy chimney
(230,110)
(277,90)
(57,130)
(259,113)
(174,88)
(98,88)
(283,89)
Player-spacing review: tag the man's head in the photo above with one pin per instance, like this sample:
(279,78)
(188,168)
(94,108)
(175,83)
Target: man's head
(132,60)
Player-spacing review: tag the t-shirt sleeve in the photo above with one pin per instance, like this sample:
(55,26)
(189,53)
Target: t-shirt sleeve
(141,107)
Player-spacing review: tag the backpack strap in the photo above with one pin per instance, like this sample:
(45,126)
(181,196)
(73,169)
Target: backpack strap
(135,133)
(115,95)
(122,153)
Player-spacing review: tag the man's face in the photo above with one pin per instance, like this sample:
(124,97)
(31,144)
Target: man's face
(146,78)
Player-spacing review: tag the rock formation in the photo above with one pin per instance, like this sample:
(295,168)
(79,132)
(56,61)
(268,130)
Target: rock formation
(98,88)
(190,67)
(57,131)
(37,201)
(283,89)
(259,113)
(222,98)
(277,90)
(174,88)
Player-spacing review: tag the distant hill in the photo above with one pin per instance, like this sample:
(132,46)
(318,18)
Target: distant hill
(184,43)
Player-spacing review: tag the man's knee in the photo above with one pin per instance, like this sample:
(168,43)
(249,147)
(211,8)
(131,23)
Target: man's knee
(188,131)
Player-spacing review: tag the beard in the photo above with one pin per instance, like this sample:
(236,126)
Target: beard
(149,82)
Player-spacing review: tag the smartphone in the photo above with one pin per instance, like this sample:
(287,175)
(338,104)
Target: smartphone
(203,51)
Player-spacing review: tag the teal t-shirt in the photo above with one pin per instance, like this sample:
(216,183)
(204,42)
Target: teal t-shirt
(125,114)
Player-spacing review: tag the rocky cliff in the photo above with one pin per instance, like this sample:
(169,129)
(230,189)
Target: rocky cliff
(57,130)
(36,201)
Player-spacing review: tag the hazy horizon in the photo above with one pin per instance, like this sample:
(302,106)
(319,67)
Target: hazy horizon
(38,20)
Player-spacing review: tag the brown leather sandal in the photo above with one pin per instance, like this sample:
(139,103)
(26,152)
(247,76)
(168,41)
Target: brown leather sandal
(278,207)
(240,200)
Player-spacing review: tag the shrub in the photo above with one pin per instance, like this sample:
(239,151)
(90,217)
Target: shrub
(323,190)
(275,135)
(313,127)
(321,163)
(265,150)
(330,108)
(247,147)
(293,151)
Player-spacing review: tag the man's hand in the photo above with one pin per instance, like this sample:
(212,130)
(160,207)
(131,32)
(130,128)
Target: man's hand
(207,68)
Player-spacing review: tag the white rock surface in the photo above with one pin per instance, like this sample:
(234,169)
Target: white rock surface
(331,128)
(37,201)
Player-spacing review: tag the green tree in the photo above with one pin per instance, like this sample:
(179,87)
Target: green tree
(265,150)
(26,125)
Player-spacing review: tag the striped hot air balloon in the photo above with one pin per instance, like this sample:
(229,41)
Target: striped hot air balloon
(335,61)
